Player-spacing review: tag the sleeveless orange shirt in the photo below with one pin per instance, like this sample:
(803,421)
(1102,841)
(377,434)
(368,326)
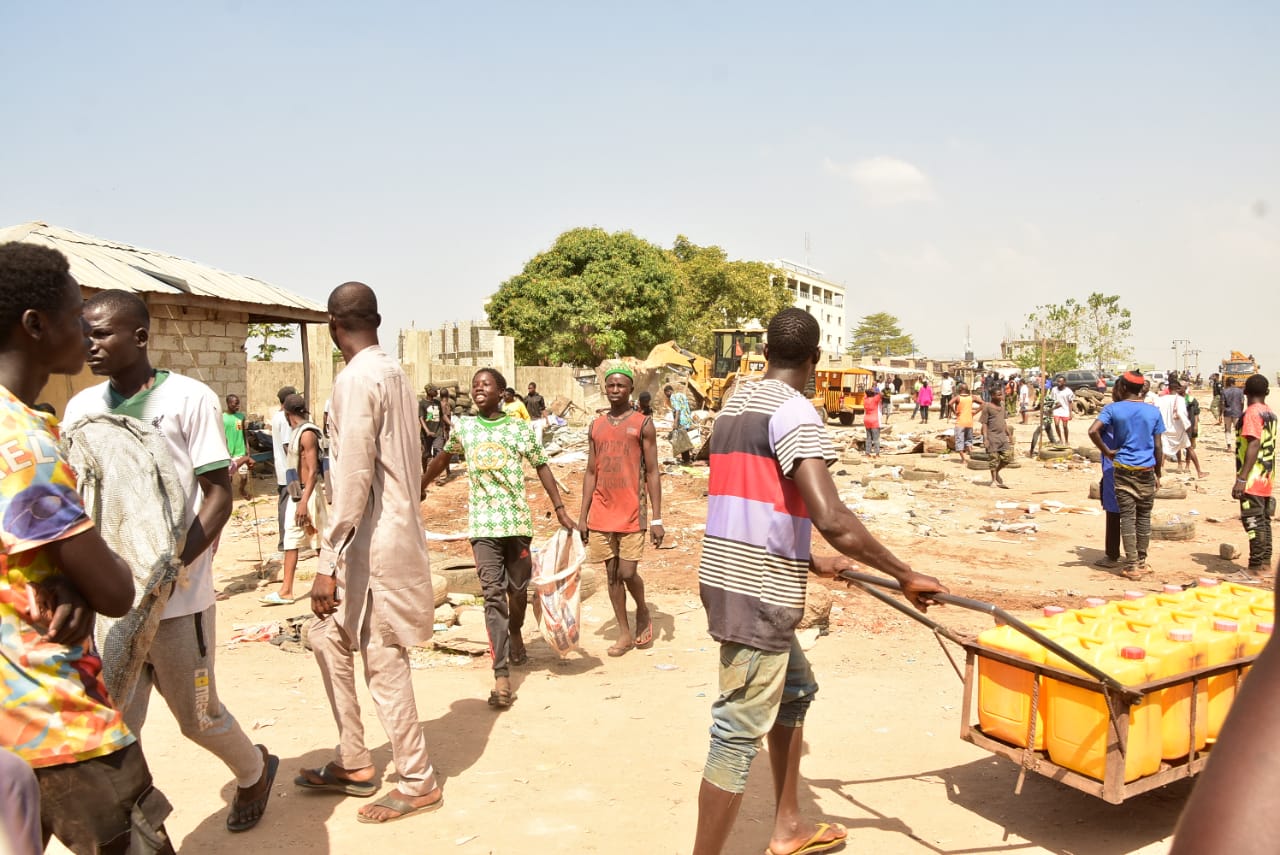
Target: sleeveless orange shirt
(618,503)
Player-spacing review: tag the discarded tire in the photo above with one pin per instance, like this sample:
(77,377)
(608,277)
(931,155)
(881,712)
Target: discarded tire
(1172,528)
(979,454)
(984,465)
(1055,452)
(1089,452)
(922,475)
(1173,491)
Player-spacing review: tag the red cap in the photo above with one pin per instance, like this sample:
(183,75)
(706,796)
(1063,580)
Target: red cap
(1050,611)
(1133,653)
(1225,625)
(1181,635)
(1094,602)
(1172,589)
(1206,582)
(1264,627)
(1134,595)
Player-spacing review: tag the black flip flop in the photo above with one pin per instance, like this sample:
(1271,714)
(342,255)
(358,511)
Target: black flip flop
(331,783)
(256,808)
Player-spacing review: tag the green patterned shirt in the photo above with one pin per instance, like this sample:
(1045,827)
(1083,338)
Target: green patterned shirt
(495,449)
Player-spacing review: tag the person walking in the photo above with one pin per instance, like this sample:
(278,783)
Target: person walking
(769,486)
(1136,429)
(1063,398)
(997,439)
(962,408)
(1107,497)
(946,389)
(500,521)
(924,400)
(1173,412)
(1255,474)
(537,407)
(622,468)
(1233,404)
(307,512)
(372,549)
(871,421)
(280,460)
(682,423)
(180,662)
(241,461)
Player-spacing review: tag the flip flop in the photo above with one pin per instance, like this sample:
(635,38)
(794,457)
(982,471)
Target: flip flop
(245,817)
(502,699)
(274,599)
(617,651)
(402,808)
(331,783)
(816,843)
(645,638)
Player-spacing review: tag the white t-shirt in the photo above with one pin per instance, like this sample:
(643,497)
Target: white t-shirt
(1024,396)
(188,416)
(948,386)
(279,440)
(1062,399)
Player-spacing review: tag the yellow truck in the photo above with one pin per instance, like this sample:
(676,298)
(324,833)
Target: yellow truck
(839,393)
(1240,366)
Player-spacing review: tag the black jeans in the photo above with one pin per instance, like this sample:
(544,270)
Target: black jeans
(100,805)
(1136,495)
(282,502)
(504,566)
(1255,515)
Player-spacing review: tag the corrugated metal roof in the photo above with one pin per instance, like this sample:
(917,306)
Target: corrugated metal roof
(102,264)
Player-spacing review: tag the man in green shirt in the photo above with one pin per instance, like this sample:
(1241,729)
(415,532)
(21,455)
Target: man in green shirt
(241,462)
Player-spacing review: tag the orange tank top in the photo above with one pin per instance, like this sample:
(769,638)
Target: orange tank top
(618,502)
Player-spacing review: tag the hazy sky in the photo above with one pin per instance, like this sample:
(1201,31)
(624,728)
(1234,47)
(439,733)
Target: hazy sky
(954,164)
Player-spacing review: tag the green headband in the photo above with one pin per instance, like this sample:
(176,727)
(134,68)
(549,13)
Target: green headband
(620,369)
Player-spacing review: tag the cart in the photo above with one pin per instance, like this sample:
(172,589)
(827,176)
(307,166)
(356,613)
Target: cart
(1119,699)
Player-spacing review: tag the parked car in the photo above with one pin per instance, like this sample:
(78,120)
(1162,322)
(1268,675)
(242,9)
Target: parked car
(1083,380)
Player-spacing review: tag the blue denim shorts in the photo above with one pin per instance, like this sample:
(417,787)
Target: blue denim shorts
(758,689)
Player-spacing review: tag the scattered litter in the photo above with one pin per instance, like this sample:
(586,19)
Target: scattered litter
(259,723)
(666,666)
(467,839)
(253,632)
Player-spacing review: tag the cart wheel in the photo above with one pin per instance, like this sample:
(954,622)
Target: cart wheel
(846,419)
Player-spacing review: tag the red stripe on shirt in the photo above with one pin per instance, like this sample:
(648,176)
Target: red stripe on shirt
(757,479)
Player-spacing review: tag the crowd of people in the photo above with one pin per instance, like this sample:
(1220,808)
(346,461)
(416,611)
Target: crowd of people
(77,692)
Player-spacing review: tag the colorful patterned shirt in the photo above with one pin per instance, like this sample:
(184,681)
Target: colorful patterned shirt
(495,449)
(1258,422)
(755,554)
(54,707)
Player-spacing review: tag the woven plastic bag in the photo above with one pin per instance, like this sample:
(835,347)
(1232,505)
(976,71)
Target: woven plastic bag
(557,606)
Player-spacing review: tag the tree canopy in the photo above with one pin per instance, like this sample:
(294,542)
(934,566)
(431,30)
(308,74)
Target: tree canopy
(880,334)
(716,293)
(1095,331)
(592,295)
(595,294)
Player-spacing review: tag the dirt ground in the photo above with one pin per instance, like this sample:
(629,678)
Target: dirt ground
(605,755)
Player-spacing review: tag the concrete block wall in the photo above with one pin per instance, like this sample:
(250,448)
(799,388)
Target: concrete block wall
(206,343)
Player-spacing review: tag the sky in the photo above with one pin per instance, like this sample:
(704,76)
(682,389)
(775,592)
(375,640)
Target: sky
(955,165)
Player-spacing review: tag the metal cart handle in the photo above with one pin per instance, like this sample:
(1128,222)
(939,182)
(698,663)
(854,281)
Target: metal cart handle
(864,580)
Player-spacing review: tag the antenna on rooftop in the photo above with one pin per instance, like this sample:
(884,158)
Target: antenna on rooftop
(807,247)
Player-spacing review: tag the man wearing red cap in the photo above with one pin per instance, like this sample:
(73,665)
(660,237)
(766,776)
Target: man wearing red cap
(1136,429)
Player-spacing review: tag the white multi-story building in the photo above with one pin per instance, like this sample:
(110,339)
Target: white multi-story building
(822,299)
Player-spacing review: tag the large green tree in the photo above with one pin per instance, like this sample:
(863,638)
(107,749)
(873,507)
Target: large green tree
(716,293)
(592,295)
(1094,331)
(880,334)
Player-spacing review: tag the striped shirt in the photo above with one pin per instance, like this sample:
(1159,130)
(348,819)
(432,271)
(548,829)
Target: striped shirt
(755,555)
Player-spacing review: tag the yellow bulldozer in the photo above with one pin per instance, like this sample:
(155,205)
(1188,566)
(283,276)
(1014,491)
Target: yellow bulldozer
(739,355)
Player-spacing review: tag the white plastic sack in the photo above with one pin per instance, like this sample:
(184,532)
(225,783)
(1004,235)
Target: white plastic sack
(557,569)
